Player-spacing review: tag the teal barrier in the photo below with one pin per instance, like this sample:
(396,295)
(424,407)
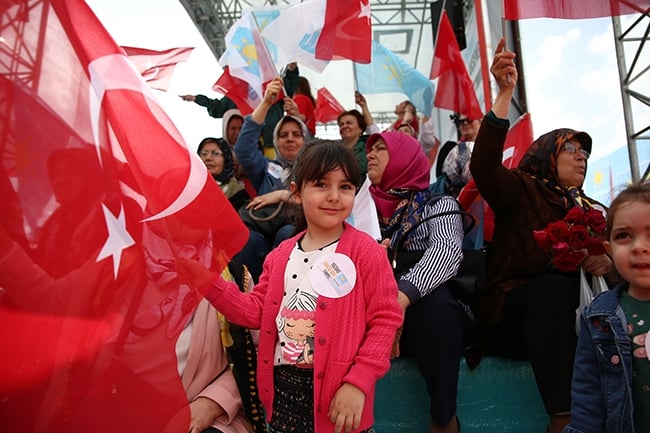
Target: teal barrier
(500,396)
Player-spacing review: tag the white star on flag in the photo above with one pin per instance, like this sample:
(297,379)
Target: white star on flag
(118,240)
(365,10)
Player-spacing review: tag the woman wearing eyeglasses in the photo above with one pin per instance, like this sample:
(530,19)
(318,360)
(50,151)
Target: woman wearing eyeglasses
(218,159)
(527,308)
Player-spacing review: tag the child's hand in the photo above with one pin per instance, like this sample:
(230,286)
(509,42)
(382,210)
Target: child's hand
(346,408)
(192,273)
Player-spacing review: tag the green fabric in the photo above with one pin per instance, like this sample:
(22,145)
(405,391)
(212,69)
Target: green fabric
(637,314)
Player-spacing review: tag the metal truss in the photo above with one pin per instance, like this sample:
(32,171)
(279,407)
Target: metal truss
(20,59)
(410,19)
(635,85)
(402,25)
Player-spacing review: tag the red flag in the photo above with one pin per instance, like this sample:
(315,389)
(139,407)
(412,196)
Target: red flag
(518,140)
(454,90)
(327,107)
(241,93)
(572,9)
(347,31)
(157,67)
(237,90)
(93,300)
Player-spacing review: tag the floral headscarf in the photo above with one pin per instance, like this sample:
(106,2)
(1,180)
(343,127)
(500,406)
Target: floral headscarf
(407,171)
(540,162)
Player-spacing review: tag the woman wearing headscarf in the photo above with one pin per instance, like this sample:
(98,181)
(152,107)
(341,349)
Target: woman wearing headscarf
(218,159)
(528,308)
(269,177)
(424,235)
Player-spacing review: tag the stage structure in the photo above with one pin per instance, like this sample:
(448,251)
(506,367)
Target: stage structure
(405,26)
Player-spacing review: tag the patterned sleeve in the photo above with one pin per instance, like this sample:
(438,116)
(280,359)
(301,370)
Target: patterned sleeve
(441,238)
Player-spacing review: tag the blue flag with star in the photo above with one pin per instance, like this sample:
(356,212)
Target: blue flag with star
(388,73)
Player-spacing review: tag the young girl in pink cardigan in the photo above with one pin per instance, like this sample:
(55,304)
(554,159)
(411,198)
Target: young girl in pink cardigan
(341,341)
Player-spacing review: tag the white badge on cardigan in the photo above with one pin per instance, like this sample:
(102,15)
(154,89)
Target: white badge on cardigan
(333,275)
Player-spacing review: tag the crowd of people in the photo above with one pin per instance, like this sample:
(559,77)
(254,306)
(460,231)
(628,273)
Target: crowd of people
(333,305)
(295,332)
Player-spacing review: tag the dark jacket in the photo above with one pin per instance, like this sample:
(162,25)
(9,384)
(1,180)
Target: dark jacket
(521,204)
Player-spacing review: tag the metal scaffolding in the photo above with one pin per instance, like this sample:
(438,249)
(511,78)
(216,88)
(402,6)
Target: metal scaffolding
(405,27)
(634,80)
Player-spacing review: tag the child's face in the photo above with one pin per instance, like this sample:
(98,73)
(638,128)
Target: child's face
(327,202)
(629,246)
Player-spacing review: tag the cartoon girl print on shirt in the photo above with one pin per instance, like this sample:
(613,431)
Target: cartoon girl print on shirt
(297,323)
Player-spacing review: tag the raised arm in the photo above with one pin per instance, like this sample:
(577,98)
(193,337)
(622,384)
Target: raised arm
(505,73)
(496,183)
(360,100)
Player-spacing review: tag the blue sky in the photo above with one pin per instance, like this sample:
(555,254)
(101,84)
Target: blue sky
(570,70)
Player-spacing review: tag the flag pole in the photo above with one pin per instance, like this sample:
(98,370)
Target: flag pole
(503,32)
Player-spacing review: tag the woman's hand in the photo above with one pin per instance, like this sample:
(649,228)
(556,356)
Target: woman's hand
(204,412)
(503,67)
(272,91)
(272,197)
(346,408)
(359,99)
(597,265)
(505,72)
(190,98)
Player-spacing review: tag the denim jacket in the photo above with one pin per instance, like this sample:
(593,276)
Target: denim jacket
(601,391)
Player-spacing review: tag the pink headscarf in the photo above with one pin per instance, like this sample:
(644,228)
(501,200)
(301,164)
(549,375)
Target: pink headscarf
(407,169)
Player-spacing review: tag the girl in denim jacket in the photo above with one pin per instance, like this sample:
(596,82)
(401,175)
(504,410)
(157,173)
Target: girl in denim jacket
(611,378)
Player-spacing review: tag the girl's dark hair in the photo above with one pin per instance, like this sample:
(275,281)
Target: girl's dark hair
(305,89)
(314,161)
(360,120)
(319,157)
(228,162)
(638,192)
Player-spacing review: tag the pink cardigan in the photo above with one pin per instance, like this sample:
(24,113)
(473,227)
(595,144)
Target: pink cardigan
(354,334)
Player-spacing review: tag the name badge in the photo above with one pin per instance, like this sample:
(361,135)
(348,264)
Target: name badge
(333,275)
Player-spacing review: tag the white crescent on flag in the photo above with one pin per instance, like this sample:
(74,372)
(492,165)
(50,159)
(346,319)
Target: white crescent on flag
(115,72)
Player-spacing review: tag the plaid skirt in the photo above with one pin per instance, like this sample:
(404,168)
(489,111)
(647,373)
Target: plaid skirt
(293,401)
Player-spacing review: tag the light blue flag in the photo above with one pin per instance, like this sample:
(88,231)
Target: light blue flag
(388,73)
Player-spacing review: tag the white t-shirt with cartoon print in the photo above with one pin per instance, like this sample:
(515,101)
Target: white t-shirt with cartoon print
(296,320)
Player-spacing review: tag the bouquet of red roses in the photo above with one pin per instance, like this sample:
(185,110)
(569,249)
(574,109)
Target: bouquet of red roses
(571,239)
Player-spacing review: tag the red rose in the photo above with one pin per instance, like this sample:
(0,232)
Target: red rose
(574,215)
(557,231)
(595,219)
(579,237)
(541,237)
(596,247)
(568,261)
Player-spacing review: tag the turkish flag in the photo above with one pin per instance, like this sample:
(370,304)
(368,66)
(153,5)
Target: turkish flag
(327,107)
(101,198)
(454,90)
(236,89)
(572,9)
(347,31)
(240,91)
(518,140)
(157,67)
